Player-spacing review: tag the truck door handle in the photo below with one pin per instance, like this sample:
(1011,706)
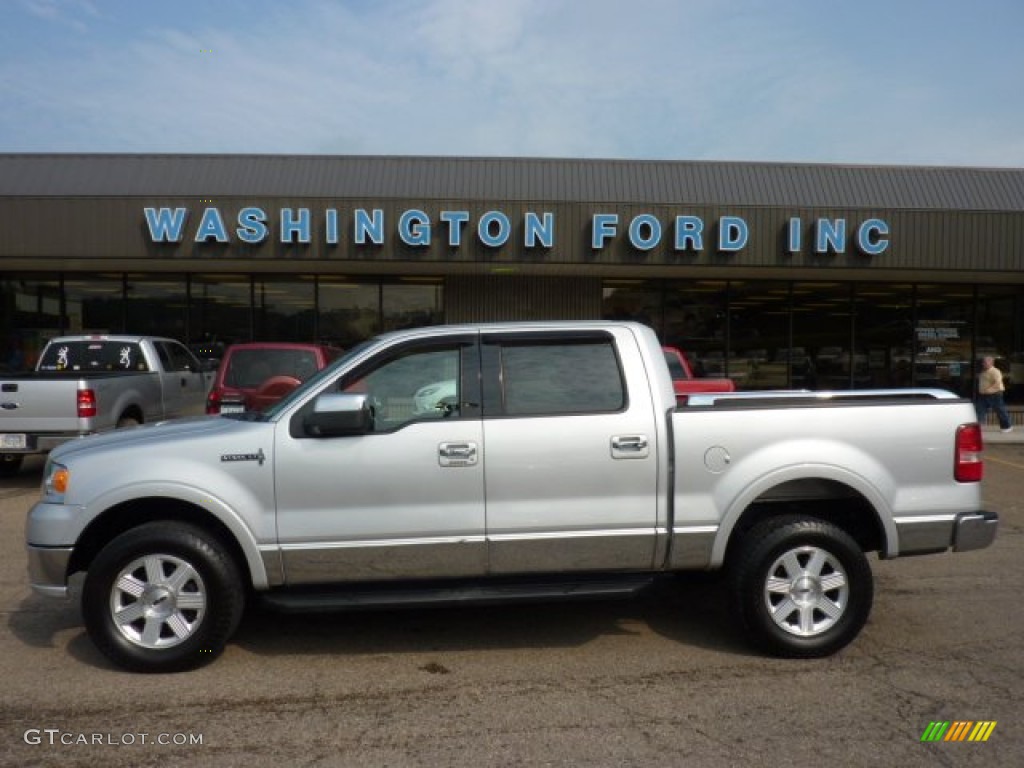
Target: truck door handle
(457,454)
(630,443)
(630,447)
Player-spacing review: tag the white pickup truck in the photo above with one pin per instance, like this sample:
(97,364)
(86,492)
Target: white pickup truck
(94,383)
(554,464)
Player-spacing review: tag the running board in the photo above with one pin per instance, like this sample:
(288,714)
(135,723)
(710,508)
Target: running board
(349,597)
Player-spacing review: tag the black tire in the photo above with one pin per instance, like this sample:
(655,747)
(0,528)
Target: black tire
(184,601)
(126,422)
(10,463)
(802,587)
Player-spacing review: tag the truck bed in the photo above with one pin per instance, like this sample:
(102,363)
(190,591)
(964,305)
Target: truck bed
(732,448)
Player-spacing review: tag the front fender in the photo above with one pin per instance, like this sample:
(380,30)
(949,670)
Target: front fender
(215,506)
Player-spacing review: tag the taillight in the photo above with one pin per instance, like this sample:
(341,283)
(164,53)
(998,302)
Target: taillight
(213,401)
(86,403)
(968,467)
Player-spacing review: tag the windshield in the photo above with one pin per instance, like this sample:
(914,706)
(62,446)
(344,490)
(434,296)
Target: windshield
(249,368)
(312,383)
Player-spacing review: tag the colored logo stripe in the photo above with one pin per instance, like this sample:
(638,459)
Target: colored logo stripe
(935,731)
(982,731)
(958,730)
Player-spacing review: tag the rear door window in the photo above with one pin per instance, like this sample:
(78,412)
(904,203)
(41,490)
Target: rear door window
(176,357)
(560,377)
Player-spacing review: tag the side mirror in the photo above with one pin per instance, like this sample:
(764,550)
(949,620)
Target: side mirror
(334,415)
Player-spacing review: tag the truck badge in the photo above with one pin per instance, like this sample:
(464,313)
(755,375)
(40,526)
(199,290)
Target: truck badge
(258,457)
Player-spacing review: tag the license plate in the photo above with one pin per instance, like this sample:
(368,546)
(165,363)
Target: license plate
(228,408)
(13,442)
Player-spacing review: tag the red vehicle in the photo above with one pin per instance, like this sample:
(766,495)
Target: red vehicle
(254,375)
(685,383)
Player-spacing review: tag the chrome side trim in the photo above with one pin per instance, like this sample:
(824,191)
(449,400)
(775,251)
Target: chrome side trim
(377,543)
(382,560)
(48,569)
(581,534)
(925,533)
(566,551)
(272,565)
(692,546)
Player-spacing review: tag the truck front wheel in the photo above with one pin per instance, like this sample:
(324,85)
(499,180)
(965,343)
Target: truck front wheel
(163,597)
(803,587)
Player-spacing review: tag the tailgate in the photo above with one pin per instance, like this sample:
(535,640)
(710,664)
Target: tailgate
(39,405)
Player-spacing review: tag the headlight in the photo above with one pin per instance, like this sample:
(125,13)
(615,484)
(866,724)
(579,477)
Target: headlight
(55,481)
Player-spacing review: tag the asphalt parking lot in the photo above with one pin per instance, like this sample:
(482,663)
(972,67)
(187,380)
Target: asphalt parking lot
(662,680)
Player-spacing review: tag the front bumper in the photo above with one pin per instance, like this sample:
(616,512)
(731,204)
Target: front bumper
(48,570)
(50,531)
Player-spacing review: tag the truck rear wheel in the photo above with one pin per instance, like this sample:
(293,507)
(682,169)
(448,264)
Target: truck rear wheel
(803,587)
(163,597)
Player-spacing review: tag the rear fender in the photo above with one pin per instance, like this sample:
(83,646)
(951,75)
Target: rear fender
(763,484)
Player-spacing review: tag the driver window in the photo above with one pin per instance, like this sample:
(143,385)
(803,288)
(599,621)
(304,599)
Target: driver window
(420,385)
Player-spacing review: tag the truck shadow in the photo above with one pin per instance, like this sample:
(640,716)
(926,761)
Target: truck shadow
(39,622)
(690,610)
(25,479)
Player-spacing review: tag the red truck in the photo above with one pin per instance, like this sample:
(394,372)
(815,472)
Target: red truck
(685,383)
(254,375)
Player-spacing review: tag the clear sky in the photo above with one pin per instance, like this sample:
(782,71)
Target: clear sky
(915,82)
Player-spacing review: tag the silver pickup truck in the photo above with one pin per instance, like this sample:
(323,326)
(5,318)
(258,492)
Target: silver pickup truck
(88,384)
(504,462)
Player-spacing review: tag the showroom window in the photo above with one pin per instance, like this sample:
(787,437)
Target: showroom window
(285,309)
(94,303)
(641,301)
(762,355)
(30,314)
(884,331)
(412,303)
(220,308)
(695,321)
(688,314)
(156,305)
(825,352)
(349,311)
(943,325)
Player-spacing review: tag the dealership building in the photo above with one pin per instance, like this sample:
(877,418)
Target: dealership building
(773,274)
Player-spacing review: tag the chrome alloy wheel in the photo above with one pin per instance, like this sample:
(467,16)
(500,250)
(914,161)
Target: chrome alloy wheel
(807,591)
(158,601)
